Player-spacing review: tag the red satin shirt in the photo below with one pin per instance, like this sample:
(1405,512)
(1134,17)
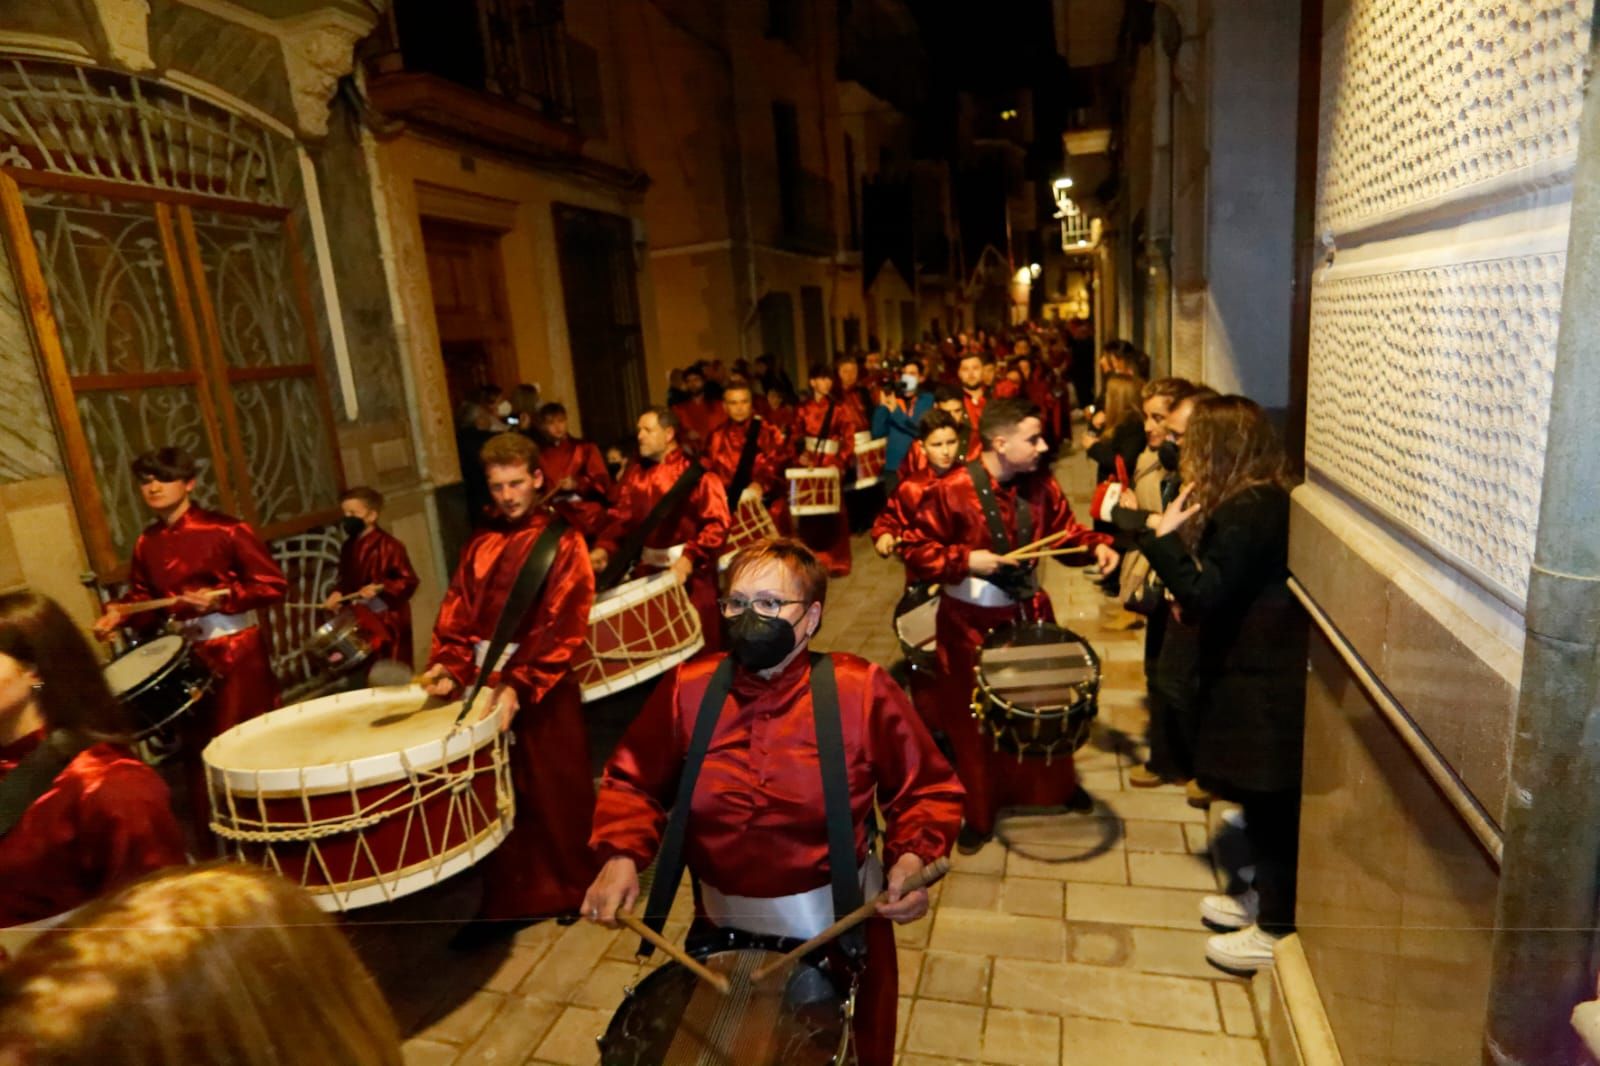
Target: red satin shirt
(951,524)
(701,523)
(579,460)
(772,455)
(974,406)
(552,631)
(757,825)
(697,417)
(900,511)
(105,820)
(377,557)
(204,550)
(841,429)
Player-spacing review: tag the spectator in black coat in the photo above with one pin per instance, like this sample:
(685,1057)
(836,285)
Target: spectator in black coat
(1221,548)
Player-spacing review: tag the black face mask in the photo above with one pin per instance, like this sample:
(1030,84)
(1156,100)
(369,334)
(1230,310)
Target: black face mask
(352,526)
(758,643)
(1168,454)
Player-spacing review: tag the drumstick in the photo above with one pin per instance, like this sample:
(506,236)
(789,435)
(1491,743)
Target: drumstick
(683,958)
(139,606)
(1041,542)
(922,879)
(1048,553)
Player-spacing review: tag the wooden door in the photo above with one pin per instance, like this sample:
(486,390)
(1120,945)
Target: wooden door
(601,295)
(469,304)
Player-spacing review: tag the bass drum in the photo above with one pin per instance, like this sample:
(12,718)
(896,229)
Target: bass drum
(673,1017)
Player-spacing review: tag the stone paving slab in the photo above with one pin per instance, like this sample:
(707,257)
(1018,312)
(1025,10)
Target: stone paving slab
(1067,940)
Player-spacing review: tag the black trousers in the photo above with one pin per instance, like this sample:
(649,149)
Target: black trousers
(1272,827)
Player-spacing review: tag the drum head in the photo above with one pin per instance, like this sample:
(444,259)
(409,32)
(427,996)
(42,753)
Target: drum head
(128,671)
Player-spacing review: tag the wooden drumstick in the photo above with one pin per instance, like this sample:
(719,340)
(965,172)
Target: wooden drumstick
(1040,543)
(678,955)
(922,879)
(1048,553)
(139,606)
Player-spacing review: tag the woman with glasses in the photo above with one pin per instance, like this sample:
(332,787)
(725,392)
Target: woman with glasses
(756,839)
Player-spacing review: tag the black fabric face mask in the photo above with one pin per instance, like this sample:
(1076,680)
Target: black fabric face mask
(1168,454)
(352,526)
(758,643)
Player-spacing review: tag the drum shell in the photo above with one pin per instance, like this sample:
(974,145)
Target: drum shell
(339,643)
(637,631)
(169,693)
(921,657)
(871,457)
(814,491)
(752,523)
(1046,733)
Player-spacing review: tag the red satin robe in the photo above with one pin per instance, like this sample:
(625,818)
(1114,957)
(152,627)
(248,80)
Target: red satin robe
(697,417)
(829,534)
(785,418)
(206,550)
(974,405)
(757,825)
(950,525)
(377,557)
(544,866)
(771,459)
(584,506)
(700,525)
(106,820)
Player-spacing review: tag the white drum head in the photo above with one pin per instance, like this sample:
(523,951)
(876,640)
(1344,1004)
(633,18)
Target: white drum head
(130,670)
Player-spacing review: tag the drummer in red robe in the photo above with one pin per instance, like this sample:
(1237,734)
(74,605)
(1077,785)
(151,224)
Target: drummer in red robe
(933,455)
(375,577)
(576,470)
(687,541)
(827,435)
(698,414)
(757,838)
(103,817)
(970,373)
(951,543)
(542,867)
(768,463)
(223,576)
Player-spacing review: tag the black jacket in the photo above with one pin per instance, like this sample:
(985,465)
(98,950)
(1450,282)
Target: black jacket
(1250,658)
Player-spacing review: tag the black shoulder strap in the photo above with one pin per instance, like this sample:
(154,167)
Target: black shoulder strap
(530,579)
(836,798)
(665,507)
(747,463)
(33,777)
(669,860)
(827,425)
(1000,540)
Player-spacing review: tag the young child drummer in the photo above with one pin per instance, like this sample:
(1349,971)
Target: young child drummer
(376,579)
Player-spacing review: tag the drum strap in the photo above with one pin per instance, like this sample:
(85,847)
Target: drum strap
(628,551)
(747,463)
(835,798)
(1001,541)
(827,426)
(669,860)
(530,579)
(34,775)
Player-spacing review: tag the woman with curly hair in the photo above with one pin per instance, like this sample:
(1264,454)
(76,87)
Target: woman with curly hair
(1221,548)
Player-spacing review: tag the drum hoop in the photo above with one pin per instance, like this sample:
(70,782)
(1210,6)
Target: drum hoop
(812,473)
(151,730)
(877,444)
(1050,710)
(184,651)
(368,891)
(376,769)
(629,594)
(643,672)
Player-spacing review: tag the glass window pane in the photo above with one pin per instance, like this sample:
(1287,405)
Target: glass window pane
(291,464)
(251,281)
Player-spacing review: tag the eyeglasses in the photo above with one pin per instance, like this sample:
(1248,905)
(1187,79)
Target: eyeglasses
(765,606)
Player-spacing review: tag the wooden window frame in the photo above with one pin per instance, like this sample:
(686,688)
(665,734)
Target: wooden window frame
(209,372)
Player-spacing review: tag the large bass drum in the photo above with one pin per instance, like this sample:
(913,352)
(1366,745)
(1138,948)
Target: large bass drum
(1038,689)
(672,1017)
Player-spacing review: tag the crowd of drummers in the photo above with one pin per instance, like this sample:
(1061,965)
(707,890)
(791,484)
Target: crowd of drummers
(811,797)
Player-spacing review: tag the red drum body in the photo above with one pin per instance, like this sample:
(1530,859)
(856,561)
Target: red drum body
(362,797)
(752,523)
(870,456)
(637,631)
(813,490)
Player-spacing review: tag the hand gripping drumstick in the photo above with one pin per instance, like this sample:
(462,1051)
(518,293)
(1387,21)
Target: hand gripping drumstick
(139,606)
(683,958)
(922,879)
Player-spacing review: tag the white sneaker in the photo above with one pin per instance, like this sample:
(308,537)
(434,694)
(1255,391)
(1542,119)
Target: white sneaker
(1233,818)
(1231,912)
(1245,951)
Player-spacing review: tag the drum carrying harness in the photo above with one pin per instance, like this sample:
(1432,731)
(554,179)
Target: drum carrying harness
(530,580)
(827,426)
(628,551)
(747,463)
(1018,581)
(847,895)
(34,775)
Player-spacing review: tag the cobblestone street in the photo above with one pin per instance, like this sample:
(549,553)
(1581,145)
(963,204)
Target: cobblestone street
(1069,939)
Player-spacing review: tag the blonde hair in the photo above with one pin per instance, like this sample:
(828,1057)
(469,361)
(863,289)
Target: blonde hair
(1122,401)
(224,965)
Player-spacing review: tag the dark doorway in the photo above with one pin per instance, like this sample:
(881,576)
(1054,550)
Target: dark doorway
(776,311)
(602,301)
(469,307)
(814,320)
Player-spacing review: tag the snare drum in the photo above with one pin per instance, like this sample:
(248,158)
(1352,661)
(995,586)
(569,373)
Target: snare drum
(871,453)
(1038,689)
(338,644)
(638,630)
(673,1016)
(158,682)
(916,619)
(752,522)
(813,490)
(362,797)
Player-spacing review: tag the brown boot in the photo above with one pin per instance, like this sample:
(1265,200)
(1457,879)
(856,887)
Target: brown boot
(1144,777)
(1197,796)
